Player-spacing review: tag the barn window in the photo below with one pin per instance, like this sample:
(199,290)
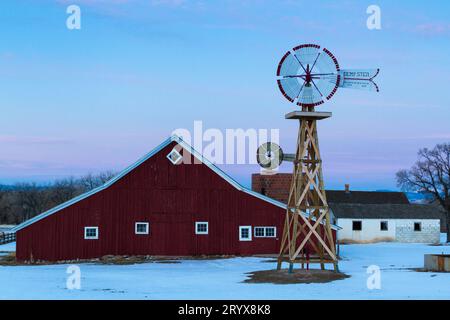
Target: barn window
(91,232)
(245,233)
(384,226)
(417,226)
(265,232)
(174,156)
(141,228)
(270,232)
(201,228)
(357,225)
(260,232)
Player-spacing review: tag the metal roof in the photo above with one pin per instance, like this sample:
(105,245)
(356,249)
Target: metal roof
(386,211)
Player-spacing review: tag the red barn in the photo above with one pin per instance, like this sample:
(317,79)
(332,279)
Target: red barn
(171,202)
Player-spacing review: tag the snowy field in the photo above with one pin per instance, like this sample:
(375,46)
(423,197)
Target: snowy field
(222,279)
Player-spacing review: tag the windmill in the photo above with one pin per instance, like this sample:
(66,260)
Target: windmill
(309,75)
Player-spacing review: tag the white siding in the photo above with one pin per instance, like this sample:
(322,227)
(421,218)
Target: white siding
(430,231)
(401,230)
(370,230)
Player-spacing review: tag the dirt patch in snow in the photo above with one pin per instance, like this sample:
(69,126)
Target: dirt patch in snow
(156,259)
(375,240)
(426,270)
(298,276)
(10,260)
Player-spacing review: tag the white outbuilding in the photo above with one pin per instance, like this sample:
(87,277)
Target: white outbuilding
(365,223)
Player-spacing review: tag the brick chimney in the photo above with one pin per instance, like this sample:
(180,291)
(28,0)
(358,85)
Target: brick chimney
(347,188)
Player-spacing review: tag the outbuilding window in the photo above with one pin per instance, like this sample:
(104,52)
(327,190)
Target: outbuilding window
(417,226)
(265,232)
(90,233)
(201,228)
(141,228)
(357,225)
(245,233)
(384,226)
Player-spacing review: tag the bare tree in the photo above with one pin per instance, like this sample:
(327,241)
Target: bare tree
(32,199)
(91,181)
(63,190)
(430,174)
(5,207)
(25,200)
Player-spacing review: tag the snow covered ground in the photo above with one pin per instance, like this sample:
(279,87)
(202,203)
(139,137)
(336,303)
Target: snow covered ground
(222,279)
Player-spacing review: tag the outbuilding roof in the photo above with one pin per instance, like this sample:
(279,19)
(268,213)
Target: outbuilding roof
(277,187)
(366,197)
(386,211)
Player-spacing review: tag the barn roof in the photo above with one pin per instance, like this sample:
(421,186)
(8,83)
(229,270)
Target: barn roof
(385,211)
(173,138)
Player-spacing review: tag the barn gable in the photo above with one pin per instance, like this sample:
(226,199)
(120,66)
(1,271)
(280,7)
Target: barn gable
(128,170)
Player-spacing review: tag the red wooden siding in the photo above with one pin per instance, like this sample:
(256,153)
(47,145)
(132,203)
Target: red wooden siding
(171,198)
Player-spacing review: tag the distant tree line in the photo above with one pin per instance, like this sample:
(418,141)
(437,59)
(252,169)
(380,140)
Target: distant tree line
(26,200)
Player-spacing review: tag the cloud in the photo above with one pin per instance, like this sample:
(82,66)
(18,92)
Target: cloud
(433,29)
(170,3)
(32,140)
(7,55)
(94,2)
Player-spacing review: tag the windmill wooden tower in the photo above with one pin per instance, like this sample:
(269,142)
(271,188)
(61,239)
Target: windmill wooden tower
(308,76)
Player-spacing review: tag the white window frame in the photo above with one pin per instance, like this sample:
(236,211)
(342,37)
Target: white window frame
(180,157)
(201,232)
(274,232)
(86,237)
(265,232)
(140,232)
(249,228)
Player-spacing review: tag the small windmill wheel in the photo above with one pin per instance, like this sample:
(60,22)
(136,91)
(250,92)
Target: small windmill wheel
(270,156)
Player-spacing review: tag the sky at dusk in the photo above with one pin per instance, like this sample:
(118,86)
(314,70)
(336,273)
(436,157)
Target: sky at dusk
(99,98)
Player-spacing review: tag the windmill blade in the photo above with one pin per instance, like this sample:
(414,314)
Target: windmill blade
(290,87)
(309,95)
(288,65)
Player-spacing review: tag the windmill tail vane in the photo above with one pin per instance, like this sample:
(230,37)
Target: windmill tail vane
(361,79)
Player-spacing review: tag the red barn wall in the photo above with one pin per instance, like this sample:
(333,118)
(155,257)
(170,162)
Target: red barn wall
(171,198)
